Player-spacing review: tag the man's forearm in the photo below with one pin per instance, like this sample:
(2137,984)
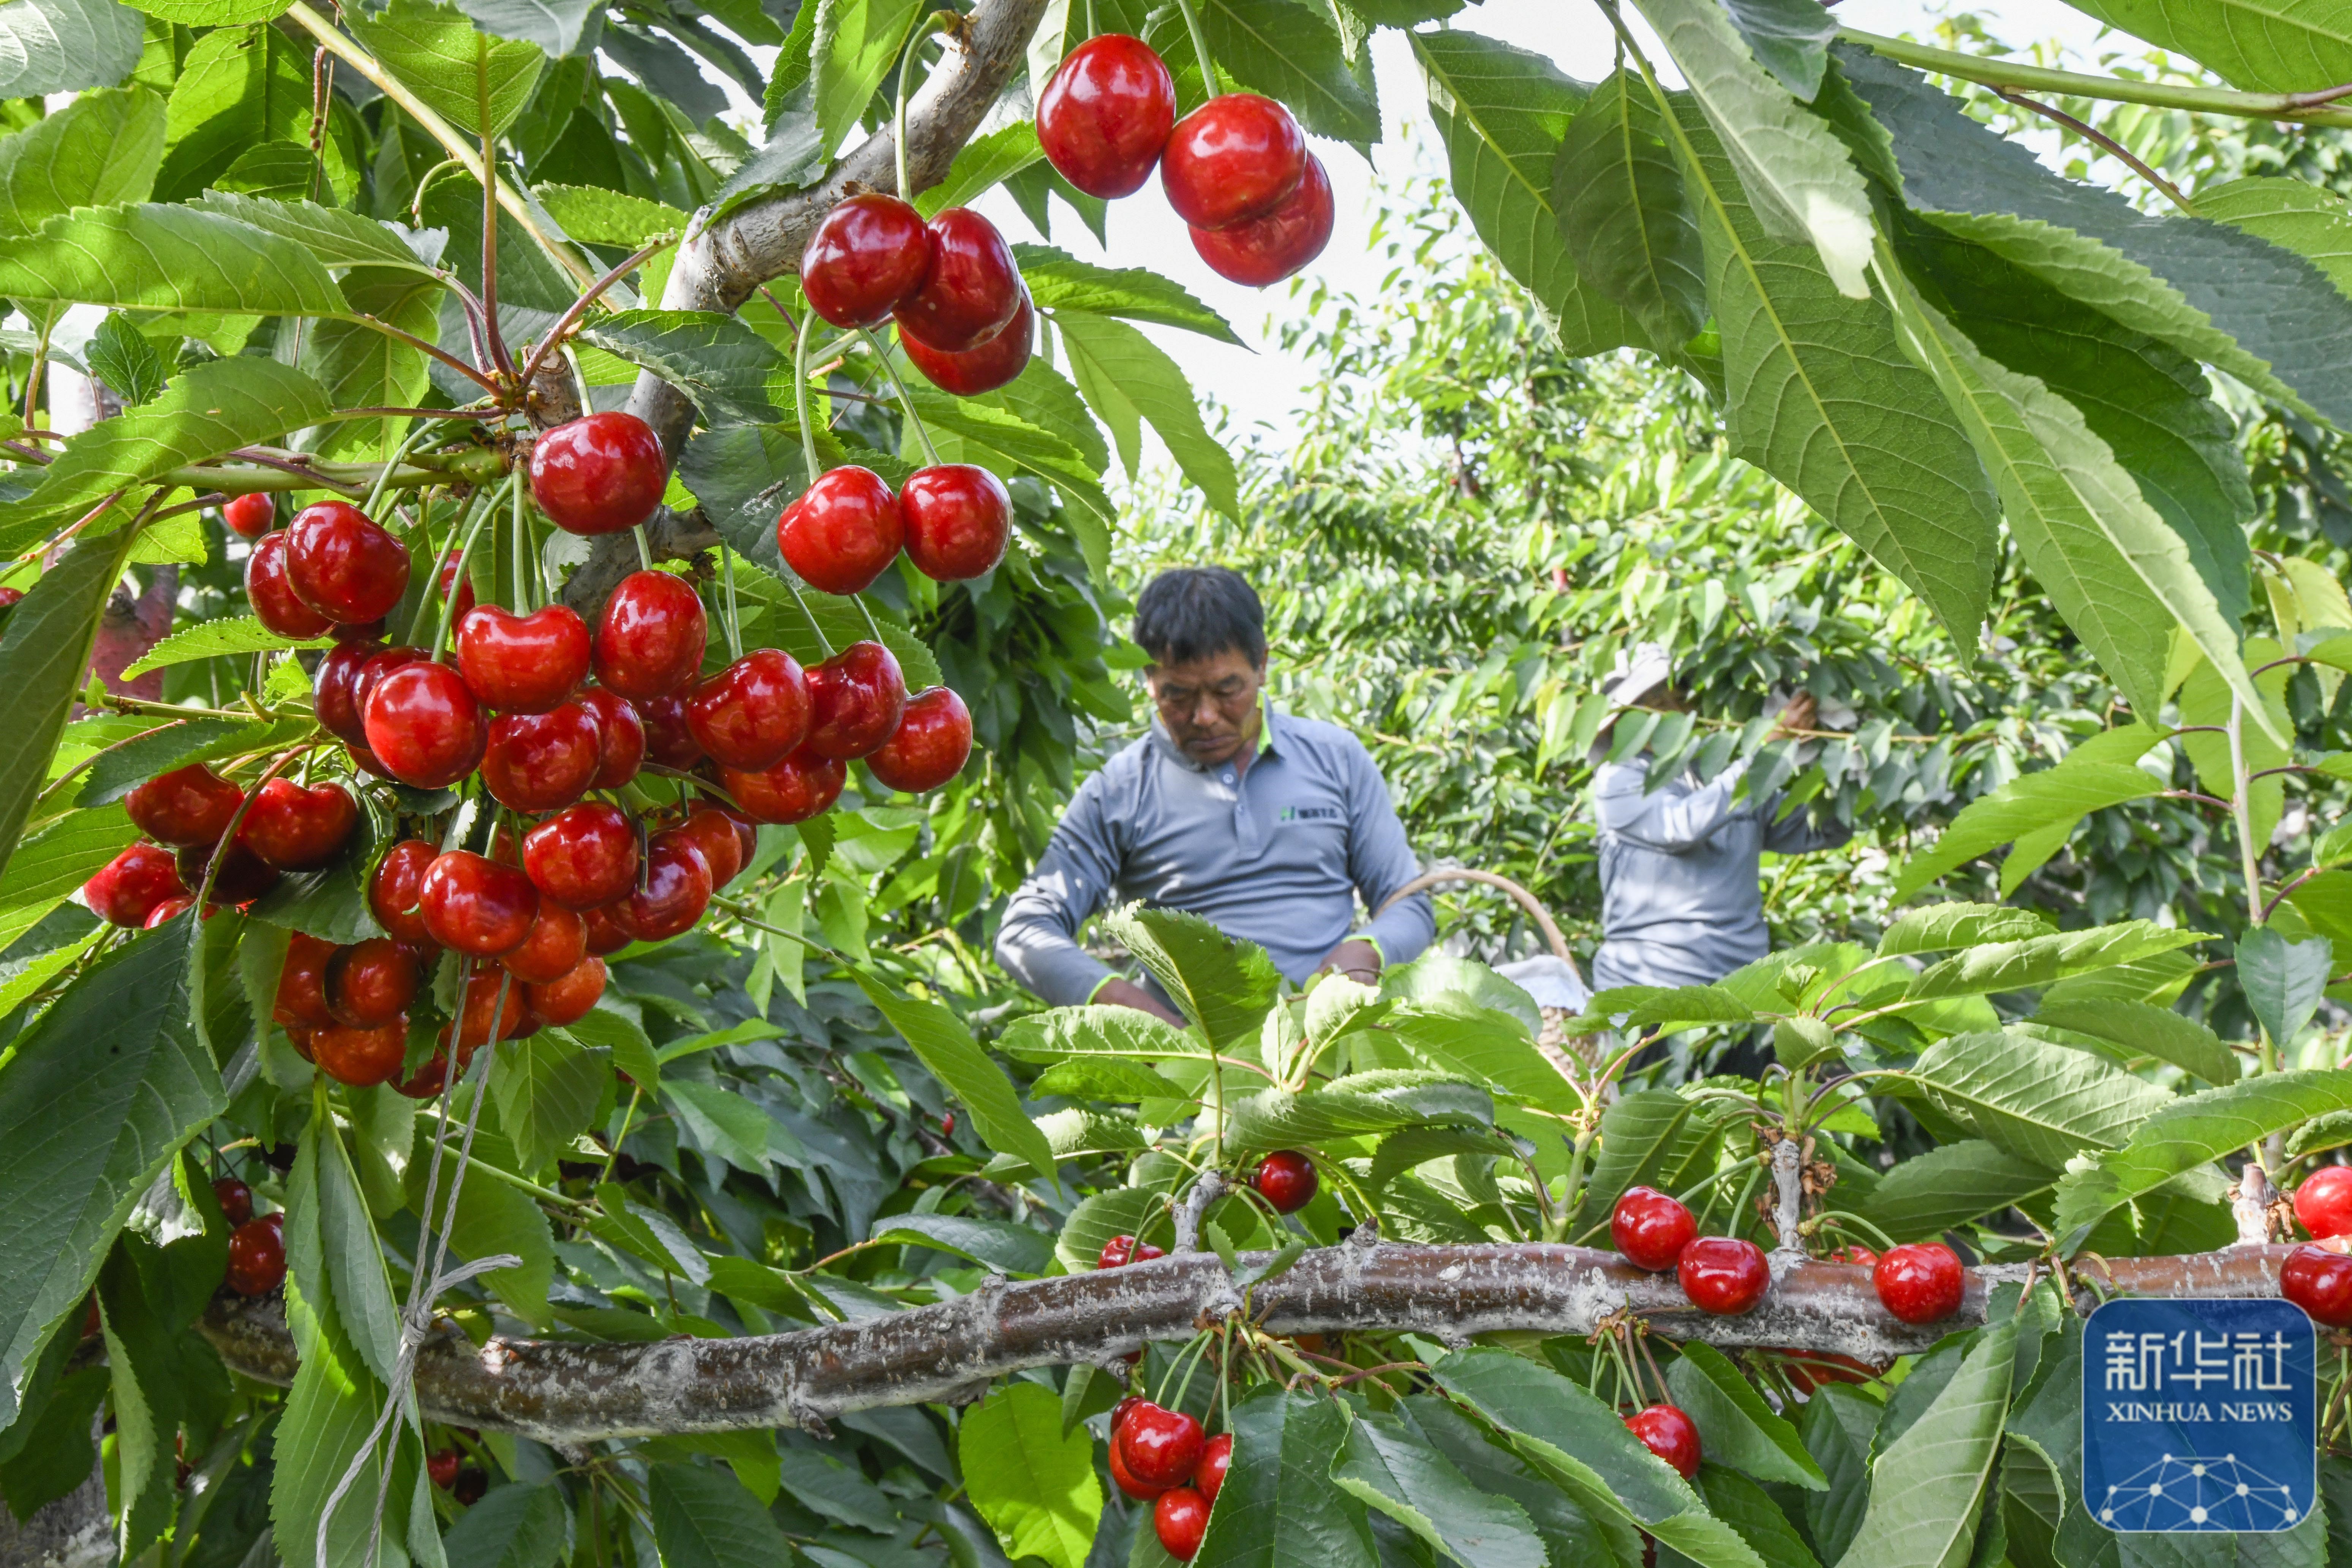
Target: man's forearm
(1048,962)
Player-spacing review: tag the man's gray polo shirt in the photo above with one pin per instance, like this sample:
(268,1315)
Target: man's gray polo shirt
(1274,853)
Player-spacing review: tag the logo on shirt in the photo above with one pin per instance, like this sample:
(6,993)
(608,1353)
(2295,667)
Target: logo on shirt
(1309,813)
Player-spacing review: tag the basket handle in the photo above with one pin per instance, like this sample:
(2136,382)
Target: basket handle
(1525,900)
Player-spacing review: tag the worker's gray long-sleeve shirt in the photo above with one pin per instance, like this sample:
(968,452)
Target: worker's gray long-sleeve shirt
(1274,853)
(1680,900)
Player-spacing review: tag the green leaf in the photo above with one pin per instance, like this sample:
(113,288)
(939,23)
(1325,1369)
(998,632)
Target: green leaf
(600,217)
(98,1094)
(1736,1427)
(1119,1211)
(985,162)
(547,1090)
(1292,54)
(713,357)
(2040,960)
(1926,1486)
(363,368)
(1754,1514)
(1823,398)
(2261,45)
(1635,1133)
(518,1526)
(240,89)
(50,866)
(354,1260)
(1569,1535)
(101,148)
(209,409)
(998,438)
(2216,294)
(856,43)
(834,1489)
(556,27)
(1224,984)
(126,363)
(1278,1508)
(1939,928)
(1929,1193)
(2119,573)
(946,1046)
(703,1519)
(2294,213)
(1279,1119)
(2030,803)
(2038,1101)
(64,46)
(1032,1482)
(1648,1007)
(721,1122)
(51,633)
(1115,363)
(453,66)
(1790,39)
(336,237)
(1001,1245)
(2282,980)
(493,1217)
(1838,1425)
(2142,1028)
(1793,169)
(1055,280)
(1485,1046)
(226,638)
(1388,1465)
(1061,1033)
(215,13)
(153,258)
(1503,113)
(1622,213)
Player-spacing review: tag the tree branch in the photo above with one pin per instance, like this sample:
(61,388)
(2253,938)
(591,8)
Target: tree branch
(568,1392)
(720,266)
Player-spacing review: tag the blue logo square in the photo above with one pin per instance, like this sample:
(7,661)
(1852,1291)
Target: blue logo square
(2200,1415)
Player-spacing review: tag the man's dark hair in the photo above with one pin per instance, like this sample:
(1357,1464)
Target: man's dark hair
(1195,612)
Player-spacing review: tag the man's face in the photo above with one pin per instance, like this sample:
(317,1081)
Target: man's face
(1209,705)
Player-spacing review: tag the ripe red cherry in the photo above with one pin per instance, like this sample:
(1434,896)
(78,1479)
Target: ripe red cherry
(1106,113)
(334,688)
(129,886)
(582,857)
(842,531)
(392,888)
(621,737)
(360,1057)
(1723,1275)
(441,1466)
(1651,1228)
(171,910)
(301,998)
(274,604)
(713,832)
(256,1255)
(1118,1474)
(342,564)
(193,806)
(1669,1434)
(482,1010)
(2323,1203)
(298,829)
(752,713)
(1262,251)
(870,252)
(2319,1282)
(1232,159)
(994,364)
(1160,1447)
(1855,1253)
(370,983)
(651,637)
(557,943)
(539,762)
(1180,1518)
(605,933)
(235,1200)
(599,474)
(523,664)
(1122,1250)
(359,631)
(930,745)
(1920,1281)
(669,739)
(243,878)
(959,520)
(676,890)
(800,786)
(1216,1458)
(973,290)
(475,905)
(1285,1179)
(858,697)
(569,998)
(425,726)
(450,560)
(250,515)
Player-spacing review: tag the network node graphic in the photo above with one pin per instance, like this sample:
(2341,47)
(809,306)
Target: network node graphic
(2189,1492)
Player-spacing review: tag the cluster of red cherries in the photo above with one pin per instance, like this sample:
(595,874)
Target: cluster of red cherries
(1237,170)
(2317,1277)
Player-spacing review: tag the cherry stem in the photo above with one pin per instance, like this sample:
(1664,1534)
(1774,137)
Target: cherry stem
(432,555)
(644,548)
(800,397)
(1200,47)
(399,456)
(905,401)
(823,643)
(499,355)
(938,21)
(734,617)
(520,548)
(873,629)
(482,511)
(556,333)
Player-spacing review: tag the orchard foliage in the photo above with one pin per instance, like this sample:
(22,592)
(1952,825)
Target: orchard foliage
(381,264)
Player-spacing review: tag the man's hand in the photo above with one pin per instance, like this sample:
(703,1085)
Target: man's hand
(1127,994)
(1802,713)
(1359,960)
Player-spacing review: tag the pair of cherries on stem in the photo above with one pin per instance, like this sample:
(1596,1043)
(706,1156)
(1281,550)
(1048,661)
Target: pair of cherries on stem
(953,519)
(1237,170)
(952,284)
(289,827)
(332,568)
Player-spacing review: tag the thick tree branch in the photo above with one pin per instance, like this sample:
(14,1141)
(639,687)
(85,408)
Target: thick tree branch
(565,1393)
(719,266)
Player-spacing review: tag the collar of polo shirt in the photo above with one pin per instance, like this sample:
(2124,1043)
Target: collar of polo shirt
(1269,737)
